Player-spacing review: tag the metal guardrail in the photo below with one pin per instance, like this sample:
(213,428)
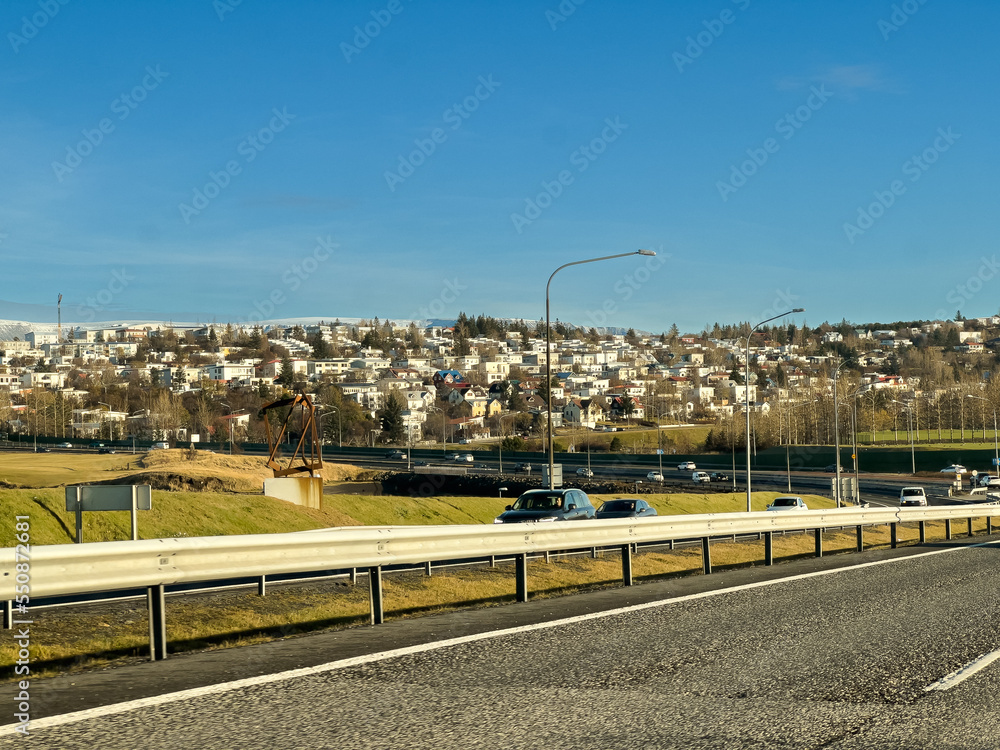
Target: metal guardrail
(68,569)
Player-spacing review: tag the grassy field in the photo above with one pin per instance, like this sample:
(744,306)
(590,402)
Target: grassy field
(191,514)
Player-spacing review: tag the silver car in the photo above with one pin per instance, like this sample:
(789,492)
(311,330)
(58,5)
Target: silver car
(788,503)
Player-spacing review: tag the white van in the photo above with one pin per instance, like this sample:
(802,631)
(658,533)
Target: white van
(161,445)
(912,496)
(701,476)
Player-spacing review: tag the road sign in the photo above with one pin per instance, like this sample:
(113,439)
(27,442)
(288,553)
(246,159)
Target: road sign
(130,497)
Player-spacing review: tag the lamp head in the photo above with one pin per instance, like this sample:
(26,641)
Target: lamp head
(799,309)
(645,252)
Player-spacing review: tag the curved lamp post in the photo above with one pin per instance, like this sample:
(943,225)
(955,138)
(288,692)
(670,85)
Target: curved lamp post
(909,427)
(340,424)
(746,387)
(548,348)
(836,429)
(500,442)
(996,449)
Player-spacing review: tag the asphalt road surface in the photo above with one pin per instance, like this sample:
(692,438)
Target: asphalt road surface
(808,654)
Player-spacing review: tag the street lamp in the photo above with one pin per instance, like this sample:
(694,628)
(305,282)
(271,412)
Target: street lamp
(444,435)
(500,442)
(836,429)
(548,348)
(746,387)
(340,424)
(909,425)
(996,450)
(230,420)
(99,403)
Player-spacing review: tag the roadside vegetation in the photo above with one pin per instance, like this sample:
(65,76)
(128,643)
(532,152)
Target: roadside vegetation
(80,637)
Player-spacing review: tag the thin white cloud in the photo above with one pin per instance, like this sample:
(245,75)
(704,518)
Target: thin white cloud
(845,80)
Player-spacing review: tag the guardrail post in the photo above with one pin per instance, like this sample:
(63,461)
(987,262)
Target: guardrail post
(548,556)
(768,548)
(493,561)
(989,524)
(593,553)
(861,538)
(971,533)
(375,595)
(427,568)
(923,532)
(8,614)
(819,542)
(156,608)
(706,555)
(521,573)
(262,585)
(947,529)
(627,564)
(893,536)
(354,576)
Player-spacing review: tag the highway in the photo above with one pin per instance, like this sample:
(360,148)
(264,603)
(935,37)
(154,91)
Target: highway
(836,653)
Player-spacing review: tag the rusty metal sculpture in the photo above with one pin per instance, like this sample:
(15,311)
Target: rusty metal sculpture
(307,427)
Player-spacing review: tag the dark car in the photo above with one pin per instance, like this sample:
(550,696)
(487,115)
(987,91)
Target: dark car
(719,476)
(398,455)
(105,450)
(96,444)
(625,507)
(523,467)
(548,505)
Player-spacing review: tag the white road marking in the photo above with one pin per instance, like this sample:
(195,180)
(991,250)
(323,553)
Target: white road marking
(961,675)
(159,700)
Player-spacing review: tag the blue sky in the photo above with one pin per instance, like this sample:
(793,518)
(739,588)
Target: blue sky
(228,161)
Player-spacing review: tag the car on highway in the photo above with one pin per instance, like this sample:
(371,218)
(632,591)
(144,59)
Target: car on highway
(450,456)
(788,503)
(96,444)
(525,467)
(654,476)
(398,455)
(464,458)
(548,505)
(700,477)
(988,480)
(912,496)
(719,476)
(953,469)
(625,507)
(105,450)
(64,445)
(583,471)
(686,466)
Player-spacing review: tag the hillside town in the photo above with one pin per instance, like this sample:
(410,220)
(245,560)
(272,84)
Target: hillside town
(379,382)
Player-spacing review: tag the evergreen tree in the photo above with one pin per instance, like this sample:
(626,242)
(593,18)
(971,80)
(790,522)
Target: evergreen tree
(286,375)
(391,418)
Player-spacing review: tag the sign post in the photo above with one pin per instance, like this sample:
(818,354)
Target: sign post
(130,497)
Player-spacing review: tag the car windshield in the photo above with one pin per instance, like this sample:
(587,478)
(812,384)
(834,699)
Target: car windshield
(618,506)
(539,501)
(786,501)
(912,491)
